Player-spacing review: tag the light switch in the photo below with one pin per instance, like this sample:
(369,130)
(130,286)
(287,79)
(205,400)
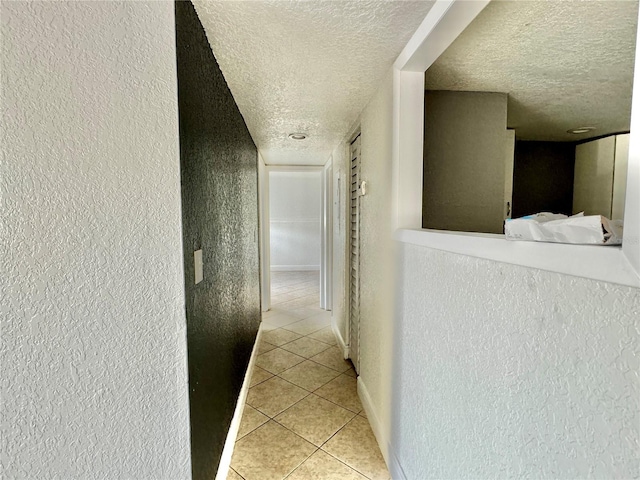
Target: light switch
(197,262)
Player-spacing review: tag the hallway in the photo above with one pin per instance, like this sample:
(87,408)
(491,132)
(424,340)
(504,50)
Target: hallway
(303,418)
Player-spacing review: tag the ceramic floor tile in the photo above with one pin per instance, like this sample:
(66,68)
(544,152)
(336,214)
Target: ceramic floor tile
(351,372)
(269,450)
(274,396)
(233,475)
(282,298)
(305,347)
(309,375)
(356,446)
(315,419)
(306,312)
(259,375)
(343,391)
(324,316)
(301,302)
(322,466)
(276,311)
(278,360)
(251,419)
(265,327)
(285,452)
(333,358)
(325,335)
(265,347)
(281,319)
(308,325)
(279,336)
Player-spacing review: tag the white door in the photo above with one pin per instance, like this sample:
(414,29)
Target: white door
(354,256)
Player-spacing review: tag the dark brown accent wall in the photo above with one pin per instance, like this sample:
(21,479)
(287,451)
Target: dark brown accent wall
(543,177)
(218,162)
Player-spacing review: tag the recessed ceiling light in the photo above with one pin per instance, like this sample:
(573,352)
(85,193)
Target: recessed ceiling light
(297,136)
(579,130)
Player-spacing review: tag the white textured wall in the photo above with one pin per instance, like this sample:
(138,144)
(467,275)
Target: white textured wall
(295,203)
(376,261)
(93,341)
(504,371)
(487,370)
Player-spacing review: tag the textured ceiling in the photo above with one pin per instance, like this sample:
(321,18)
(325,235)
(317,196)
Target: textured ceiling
(564,64)
(306,66)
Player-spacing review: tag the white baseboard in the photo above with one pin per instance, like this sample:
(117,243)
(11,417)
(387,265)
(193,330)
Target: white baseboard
(295,268)
(341,345)
(374,421)
(395,469)
(229,444)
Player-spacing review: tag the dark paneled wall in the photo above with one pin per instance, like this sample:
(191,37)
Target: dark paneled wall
(220,215)
(543,177)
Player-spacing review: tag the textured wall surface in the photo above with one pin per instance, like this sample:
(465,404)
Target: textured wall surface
(543,177)
(318,64)
(93,328)
(220,216)
(555,60)
(295,211)
(464,161)
(376,267)
(510,372)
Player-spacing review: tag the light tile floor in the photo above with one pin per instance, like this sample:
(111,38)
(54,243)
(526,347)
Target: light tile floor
(303,419)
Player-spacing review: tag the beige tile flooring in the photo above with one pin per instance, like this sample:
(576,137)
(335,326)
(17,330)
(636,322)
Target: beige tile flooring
(303,419)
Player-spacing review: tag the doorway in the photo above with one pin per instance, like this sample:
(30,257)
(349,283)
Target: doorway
(295,213)
(296,235)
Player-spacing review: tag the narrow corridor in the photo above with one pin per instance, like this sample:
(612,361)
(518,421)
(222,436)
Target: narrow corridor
(303,419)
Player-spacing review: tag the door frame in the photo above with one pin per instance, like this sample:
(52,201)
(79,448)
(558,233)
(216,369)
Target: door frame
(326,229)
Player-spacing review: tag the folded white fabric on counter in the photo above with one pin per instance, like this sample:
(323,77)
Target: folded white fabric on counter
(558,228)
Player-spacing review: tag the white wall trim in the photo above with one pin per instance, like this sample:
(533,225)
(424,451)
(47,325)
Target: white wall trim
(393,463)
(295,268)
(442,25)
(341,343)
(374,421)
(395,469)
(229,444)
(605,263)
(327,234)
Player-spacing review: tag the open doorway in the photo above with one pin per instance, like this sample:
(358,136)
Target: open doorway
(295,229)
(296,237)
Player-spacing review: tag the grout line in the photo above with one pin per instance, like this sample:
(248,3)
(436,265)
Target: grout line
(300,464)
(327,399)
(323,443)
(255,428)
(351,467)
(330,454)
(262,381)
(235,471)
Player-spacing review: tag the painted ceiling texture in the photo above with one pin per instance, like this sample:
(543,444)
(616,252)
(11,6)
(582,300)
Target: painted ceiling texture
(564,64)
(306,66)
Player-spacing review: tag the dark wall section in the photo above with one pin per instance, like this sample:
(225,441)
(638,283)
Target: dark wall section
(220,215)
(543,177)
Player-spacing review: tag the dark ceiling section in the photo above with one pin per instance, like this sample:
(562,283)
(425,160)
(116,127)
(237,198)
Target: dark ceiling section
(220,216)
